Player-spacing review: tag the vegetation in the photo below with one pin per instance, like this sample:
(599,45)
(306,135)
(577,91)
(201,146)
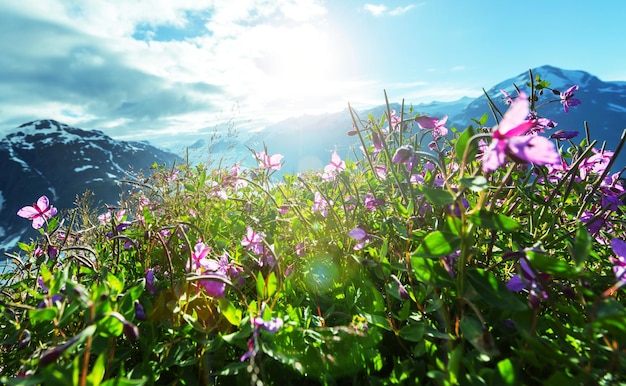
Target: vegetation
(488,256)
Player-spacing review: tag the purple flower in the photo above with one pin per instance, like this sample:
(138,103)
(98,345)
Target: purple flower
(506,97)
(568,100)
(140,312)
(151,281)
(436,124)
(510,139)
(39,212)
(402,154)
(272,326)
(359,235)
(402,292)
(527,279)
(563,135)
(619,262)
(371,202)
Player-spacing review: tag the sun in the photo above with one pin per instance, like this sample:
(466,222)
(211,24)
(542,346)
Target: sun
(300,61)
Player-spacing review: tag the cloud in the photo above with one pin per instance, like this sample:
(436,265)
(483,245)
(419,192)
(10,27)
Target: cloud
(382,10)
(120,66)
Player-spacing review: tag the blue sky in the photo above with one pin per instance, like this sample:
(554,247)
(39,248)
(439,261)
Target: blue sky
(154,68)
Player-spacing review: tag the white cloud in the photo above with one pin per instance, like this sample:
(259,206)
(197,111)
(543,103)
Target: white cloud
(382,10)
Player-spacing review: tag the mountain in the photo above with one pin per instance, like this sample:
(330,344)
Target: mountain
(308,141)
(50,158)
(603,105)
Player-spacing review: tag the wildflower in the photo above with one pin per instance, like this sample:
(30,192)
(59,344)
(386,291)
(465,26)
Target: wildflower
(395,120)
(199,257)
(510,139)
(253,241)
(320,204)
(335,167)
(272,326)
(619,262)
(527,279)
(506,97)
(151,281)
(359,235)
(371,202)
(596,163)
(568,100)
(563,135)
(402,154)
(39,212)
(269,162)
(436,124)
(140,312)
(402,292)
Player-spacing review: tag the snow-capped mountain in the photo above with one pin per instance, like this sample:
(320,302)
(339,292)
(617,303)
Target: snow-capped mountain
(308,141)
(50,158)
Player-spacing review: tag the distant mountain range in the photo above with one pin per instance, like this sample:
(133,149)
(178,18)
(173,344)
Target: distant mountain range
(50,158)
(308,141)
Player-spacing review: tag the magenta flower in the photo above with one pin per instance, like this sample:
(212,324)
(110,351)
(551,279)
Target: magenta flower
(403,154)
(510,139)
(39,212)
(269,162)
(568,100)
(436,124)
(506,97)
(619,263)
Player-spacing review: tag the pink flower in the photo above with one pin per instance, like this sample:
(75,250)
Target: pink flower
(269,162)
(335,167)
(320,204)
(568,100)
(39,212)
(253,241)
(436,124)
(510,139)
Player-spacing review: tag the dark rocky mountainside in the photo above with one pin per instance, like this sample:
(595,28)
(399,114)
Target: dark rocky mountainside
(46,157)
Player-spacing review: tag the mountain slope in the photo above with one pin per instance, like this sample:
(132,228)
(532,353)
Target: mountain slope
(50,158)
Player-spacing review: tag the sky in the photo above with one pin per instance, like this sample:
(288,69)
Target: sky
(159,69)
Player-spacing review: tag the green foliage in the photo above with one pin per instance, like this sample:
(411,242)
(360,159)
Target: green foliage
(374,272)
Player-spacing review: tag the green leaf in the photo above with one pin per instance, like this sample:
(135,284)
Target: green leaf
(545,263)
(260,285)
(97,371)
(413,332)
(271,284)
(483,119)
(114,283)
(476,183)
(479,336)
(462,143)
(437,196)
(438,244)
(43,315)
(493,291)
(582,245)
(230,312)
(495,221)
(506,372)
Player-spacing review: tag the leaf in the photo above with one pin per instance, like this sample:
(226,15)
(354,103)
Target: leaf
(260,285)
(476,183)
(114,283)
(438,244)
(493,291)
(42,315)
(230,312)
(463,144)
(437,196)
(549,264)
(271,284)
(479,336)
(495,221)
(97,371)
(506,372)
(582,245)
(413,332)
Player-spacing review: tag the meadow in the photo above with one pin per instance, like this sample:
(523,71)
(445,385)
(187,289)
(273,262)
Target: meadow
(445,256)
